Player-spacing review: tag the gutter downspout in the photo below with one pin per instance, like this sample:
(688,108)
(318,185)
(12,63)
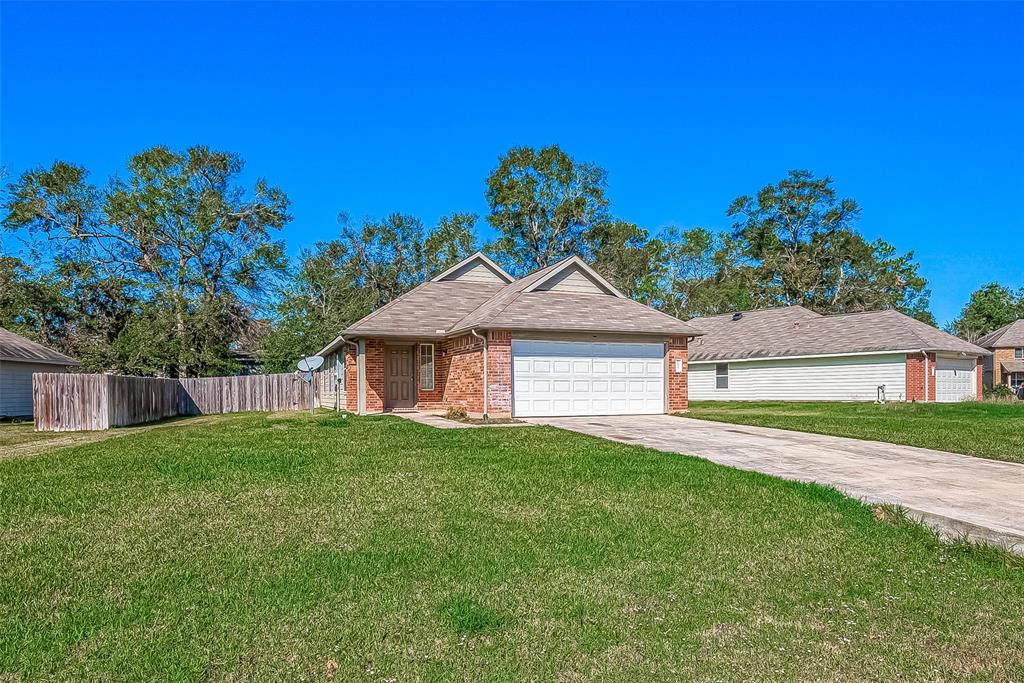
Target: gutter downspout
(484,339)
(344,366)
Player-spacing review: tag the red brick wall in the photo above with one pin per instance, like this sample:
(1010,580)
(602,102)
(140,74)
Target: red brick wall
(499,373)
(464,382)
(979,373)
(677,381)
(351,380)
(916,377)
(433,399)
(931,376)
(374,381)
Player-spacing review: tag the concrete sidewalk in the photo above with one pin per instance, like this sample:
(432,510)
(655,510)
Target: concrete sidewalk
(954,494)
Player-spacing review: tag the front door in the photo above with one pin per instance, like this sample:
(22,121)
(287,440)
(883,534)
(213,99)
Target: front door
(399,384)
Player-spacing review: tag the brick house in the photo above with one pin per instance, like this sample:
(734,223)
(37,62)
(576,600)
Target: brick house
(560,341)
(1006,365)
(795,354)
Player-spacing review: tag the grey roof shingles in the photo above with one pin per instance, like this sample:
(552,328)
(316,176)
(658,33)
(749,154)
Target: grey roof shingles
(457,306)
(796,331)
(426,309)
(1008,336)
(15,348)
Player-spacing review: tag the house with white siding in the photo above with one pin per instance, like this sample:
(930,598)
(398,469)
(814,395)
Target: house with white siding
(794,354)
(20,358)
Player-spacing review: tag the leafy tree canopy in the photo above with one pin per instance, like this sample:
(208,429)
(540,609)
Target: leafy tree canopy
(542,203)
(801,241)
(989,308)
(177,230)
(340,281)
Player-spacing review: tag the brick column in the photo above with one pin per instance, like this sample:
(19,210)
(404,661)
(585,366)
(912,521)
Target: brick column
(915,377)
(677,381)
(499,373)
(931,377)
(979,372)
(374,380)
(351,380)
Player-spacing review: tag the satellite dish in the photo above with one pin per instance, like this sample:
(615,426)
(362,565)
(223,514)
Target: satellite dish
(311,364)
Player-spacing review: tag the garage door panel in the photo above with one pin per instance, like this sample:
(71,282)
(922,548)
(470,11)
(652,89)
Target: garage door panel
(587,378)
(955,379)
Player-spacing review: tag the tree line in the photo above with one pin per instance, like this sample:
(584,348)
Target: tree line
(175,266)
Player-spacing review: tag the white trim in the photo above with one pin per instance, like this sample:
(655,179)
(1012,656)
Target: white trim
(814,355)
(478,256)
(588,271)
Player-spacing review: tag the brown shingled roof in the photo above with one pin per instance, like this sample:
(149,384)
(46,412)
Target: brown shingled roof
(444,308)
(14,347)
(1008,336)
(796,331)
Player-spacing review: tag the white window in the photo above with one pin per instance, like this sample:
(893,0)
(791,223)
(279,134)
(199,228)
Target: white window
(721,375)
(1018,354)
(427,367)
(1016,379)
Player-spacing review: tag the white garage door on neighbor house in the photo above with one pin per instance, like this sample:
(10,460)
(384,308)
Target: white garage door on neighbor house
(955,379)
(558,378)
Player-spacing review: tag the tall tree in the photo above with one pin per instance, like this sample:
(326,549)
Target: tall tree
(625,254)
(705,274)
(179,225)
(989,308)
(341,280)
(801,240)
(542,203)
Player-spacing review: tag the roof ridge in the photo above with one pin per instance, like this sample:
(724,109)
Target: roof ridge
(995,335)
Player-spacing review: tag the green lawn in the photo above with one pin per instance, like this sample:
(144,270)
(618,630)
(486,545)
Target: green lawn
(987,430)
(18,433)
(250,547)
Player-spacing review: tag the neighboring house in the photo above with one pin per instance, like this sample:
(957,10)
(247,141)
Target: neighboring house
(19,359)
(1006,365)
(560,341)
(798,355)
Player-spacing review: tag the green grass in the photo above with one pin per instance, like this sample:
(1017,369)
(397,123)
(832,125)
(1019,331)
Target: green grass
(17,433)
(251,547)
(987,430)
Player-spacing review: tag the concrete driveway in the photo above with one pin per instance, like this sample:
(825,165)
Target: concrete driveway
(954,494)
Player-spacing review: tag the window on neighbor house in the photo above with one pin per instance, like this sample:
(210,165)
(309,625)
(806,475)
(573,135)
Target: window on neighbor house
(721,375)
(1018,354)
(1016,379)
(427,367)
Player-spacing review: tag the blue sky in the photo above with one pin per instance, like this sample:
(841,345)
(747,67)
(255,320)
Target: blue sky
(916,110)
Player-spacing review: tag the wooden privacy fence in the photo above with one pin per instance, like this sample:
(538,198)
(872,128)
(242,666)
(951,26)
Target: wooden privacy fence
(64,402)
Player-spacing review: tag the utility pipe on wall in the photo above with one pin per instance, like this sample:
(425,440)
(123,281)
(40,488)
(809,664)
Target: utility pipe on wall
(484,339)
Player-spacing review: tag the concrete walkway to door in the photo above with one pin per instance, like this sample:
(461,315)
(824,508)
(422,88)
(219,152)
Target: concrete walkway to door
(954,494)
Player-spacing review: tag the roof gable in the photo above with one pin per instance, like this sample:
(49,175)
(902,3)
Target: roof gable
(575,276)
(1008,336)
(476,268)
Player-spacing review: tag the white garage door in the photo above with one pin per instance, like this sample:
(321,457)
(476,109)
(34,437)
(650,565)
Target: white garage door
(955,379)
(554,378)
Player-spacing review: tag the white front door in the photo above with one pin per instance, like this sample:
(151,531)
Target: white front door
(558,378)
(955,379)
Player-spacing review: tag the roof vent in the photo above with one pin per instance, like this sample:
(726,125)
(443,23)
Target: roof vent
(737,316)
